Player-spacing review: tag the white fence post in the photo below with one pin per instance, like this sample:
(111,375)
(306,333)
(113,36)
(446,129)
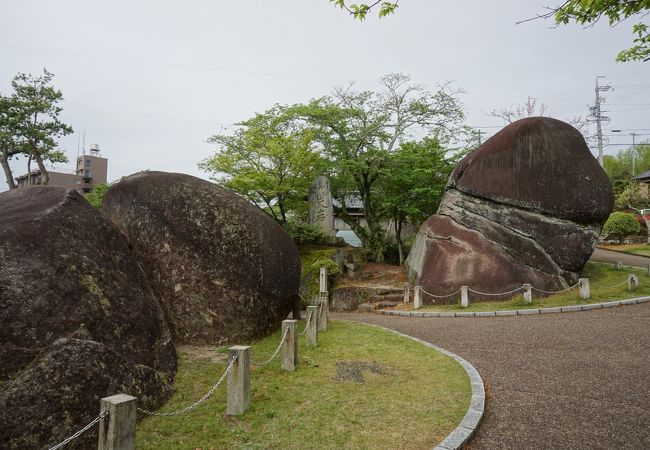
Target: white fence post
(322,280)
(585,293)
(407,293)
(239,381)
(464,296)
(324,311)
(619,264)
(289,349)
(528,293)
(117,432)
(632,281)
(417,297)
(312,329)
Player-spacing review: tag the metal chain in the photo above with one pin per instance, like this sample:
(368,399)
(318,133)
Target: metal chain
(277,350)
(83,430)
(199,401)
(556,292)
(495,294)
(439,296)
(306,325)
(609,287)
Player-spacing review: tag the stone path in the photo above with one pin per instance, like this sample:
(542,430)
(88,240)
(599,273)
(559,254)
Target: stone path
(602,255)
(570,381)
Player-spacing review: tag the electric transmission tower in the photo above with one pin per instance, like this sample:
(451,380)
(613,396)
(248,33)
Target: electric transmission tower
(597,116)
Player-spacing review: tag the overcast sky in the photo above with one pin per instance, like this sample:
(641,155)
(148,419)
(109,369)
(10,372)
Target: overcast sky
(150,81)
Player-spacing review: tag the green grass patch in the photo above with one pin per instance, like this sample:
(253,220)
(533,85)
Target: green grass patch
(632,249)
(599,275)
(418,398)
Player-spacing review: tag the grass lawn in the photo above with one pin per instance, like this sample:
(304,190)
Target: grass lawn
(632,249)
(418,397)
(599,275)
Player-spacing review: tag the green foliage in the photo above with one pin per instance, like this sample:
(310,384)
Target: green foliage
(361,10)
(303,233)
(630,196)
(331,266)
(96,196)
(588,12)
(271,160)
(620,225)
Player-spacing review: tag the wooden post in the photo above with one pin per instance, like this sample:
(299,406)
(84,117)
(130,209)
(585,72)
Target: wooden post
(117,431)
(289,349)
(619,264)
(632,281)
(312,329)
(648,269)
(407,293)
(585,293)
(528,293)
(464,297)
(239,381)
(322,280)
(323,314)
(417,297)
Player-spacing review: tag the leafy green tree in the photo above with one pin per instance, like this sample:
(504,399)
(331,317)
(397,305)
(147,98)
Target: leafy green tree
(10,146)
(271,160)
(360,11)
(40,126)
(360,130)
(619,225)
(96,196)
(416,178)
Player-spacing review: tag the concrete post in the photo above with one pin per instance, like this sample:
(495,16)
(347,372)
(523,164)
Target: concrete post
(528,293)
(632,281)
(117,431)
(417,297)
(648,269)
(585,293)
(619,264)
(289,349)
(464,297)
(324,311)
(322,280)
(239,381)
(312,329)
(407,293)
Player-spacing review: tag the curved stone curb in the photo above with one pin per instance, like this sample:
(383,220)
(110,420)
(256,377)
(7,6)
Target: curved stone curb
(470,422)
(516,312)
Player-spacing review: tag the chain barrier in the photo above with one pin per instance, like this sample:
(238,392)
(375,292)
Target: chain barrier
(609,287)
(196,403)
(277,350)
(495,294)
(439,296)
(556,292)
(82,431)
(306,325)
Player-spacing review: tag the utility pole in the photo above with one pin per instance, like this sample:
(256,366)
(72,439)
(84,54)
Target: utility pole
(633,154)
(479,137)
(597,116)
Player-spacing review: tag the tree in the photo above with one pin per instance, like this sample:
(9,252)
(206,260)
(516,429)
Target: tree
(360,11)
(270,160)
(416,179)
(39,127)
(616,11)
(10,146)
(359,131)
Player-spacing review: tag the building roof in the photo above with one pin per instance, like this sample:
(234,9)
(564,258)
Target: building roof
(643,176)
(352,201)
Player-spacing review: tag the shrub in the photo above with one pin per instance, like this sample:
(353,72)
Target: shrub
(620,225)
(330,265)
(303,233)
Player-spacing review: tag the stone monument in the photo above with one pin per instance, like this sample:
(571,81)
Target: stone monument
(321,211)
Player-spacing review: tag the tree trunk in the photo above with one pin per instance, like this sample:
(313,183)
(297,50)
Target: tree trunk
(29,170)
(398,237)
(44,174)
(8,175)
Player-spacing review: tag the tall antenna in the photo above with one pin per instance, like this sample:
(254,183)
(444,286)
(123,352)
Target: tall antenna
(83,146)
(78,144)
(597,116)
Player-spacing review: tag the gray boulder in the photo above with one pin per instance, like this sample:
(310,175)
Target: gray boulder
(223,269)
(525,207)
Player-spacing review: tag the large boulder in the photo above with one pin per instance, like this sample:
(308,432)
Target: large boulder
(78,320)
(525,207)
(223,269)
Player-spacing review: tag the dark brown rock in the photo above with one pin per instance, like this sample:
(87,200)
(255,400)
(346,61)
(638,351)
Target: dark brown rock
(222,268)
(526,207)
(68,279)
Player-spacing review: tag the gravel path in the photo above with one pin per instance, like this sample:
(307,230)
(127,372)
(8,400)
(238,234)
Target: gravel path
(602,255)
(569,381)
